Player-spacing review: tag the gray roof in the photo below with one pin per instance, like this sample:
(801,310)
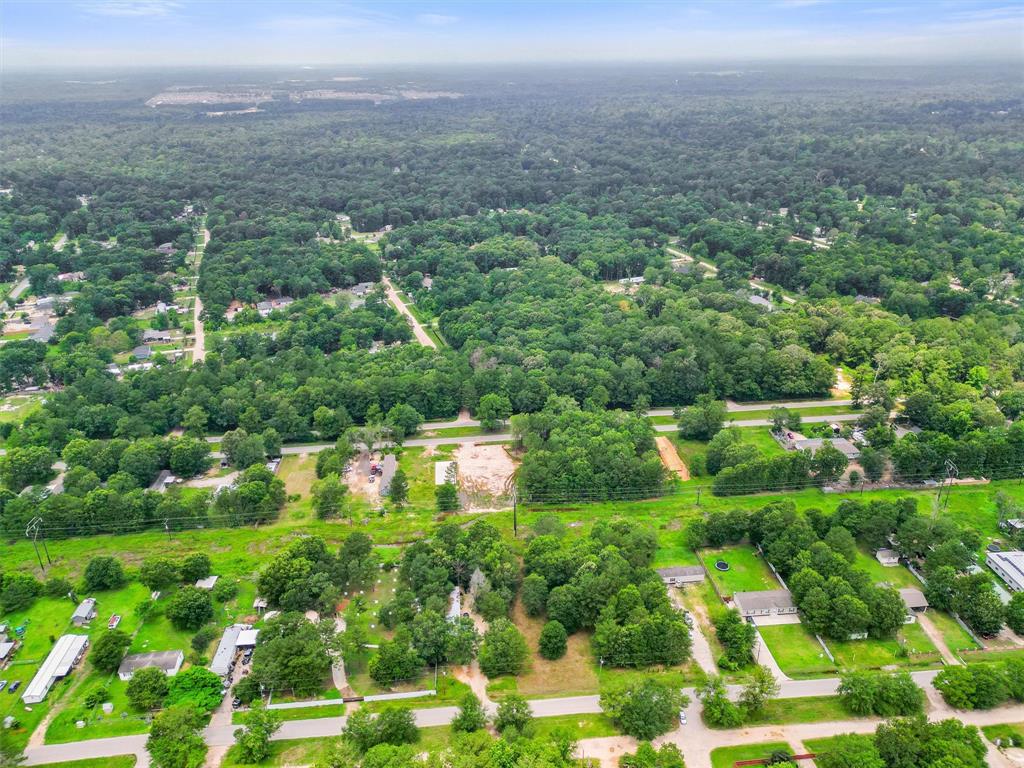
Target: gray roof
(163,660)
(681,571)
(387,472)
(914,599)
(841,444)
(85,610)
(142,352)
(765,599)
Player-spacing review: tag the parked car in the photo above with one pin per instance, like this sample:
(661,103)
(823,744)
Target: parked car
(14,686)
(682,718)
(3,684)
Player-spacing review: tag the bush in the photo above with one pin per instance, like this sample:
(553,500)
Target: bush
(880,694)
(534,594)
(645,708)
(471,715)
(202,639)
(19,592)
(195,567)
(57,588)
(504,651)
(225,590)
(197,687)
(553,641)
(108,651)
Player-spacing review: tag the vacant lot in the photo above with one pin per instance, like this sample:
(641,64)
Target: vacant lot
(571,675)
(485,472)
(796,650)
(670,458)
(726,757)
(896,576)
(747,572)
(810,709)
(298,473)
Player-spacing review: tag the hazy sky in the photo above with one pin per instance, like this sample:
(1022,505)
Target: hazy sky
(181,32)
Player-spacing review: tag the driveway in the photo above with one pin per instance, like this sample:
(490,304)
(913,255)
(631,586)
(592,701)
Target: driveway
(417,330)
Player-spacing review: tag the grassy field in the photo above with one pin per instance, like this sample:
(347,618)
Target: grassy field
(16,408)
(726,757)
(898,576)
(747,572)
(418,465)
(120,761)
(812,709)
(580,726)
(796,650)
(955,636)
(1005,733)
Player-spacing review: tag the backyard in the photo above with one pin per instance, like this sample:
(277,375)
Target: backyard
(796,651)
(747,572)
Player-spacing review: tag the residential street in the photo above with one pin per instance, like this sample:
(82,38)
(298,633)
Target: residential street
(417,329)
(694,739)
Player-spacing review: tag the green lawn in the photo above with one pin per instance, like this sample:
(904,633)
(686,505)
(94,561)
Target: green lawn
(796,651)
(811,709)
(16,408)
(747,572)
(580,726)
(120,761)
(726,757)
(875,654)
(955,636)
(418,466)
(1007,734)
(897,576)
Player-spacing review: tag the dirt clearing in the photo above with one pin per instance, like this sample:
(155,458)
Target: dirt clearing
(485,472)
(670,458)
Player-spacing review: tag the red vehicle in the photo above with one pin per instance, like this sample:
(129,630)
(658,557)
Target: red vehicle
(114,621)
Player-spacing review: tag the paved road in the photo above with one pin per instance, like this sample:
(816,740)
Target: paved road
(17,290)
(694,738)
(199,348)
(417,330)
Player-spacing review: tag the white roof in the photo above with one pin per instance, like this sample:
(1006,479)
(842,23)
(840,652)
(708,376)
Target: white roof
(207,583)
(60,661)
(85,610)
(226,649)
(440,471)
(5,649)
(247,638)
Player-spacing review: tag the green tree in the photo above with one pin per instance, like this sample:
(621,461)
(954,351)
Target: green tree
(553,640)
(644,708)
(447,497)
(253,740)
(18,591)
(850,751)
(158,573)
(399,490)
(189,608)
(147,689)
(175,738)
(103,573)
(197,687)
(471,715)
(195,421)
(493,410)
(719,711)
(828,463)
(108,651)
(702,420)
(761,688)
(534,594)
(195,567)
(1015,613)
(403,420)
(189,457)
(329,496)
(514,713)
(504,650)
(23,466)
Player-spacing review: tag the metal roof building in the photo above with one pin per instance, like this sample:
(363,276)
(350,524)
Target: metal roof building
(85,612)
(764,603)
(681,574)
(67,651)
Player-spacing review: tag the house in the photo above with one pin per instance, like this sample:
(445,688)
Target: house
(142,352)
(679,575)
(84,613)
(224,656)
(631,281)
(167,249)
(1009,566)
(888,557)
(915,601)
(387,473)
(169,662)
(769,602)
(841,444)
(361,289)
(208,583)
(71,277)
(761,301)
(6,651)
(264,308)
(150,336)
(259,604)
(66,653)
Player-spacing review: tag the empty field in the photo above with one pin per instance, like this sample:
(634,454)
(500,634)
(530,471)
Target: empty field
(726,757)
(796,650)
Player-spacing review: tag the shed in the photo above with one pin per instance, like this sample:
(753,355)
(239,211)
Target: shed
(247,638)
(914,599)
(259,604)
(85,612)
(142,352)
(6,651)
(841,444)
(681,574)
(1009,566)
(387,473)
(208,583)
(887,557)
(169,662)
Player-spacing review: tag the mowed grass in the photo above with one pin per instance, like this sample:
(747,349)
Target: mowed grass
(876,654)
(747,572)
(810,709)
(418,465)
(580,726)
(956,637)
(118,761)
(796,651)
(16,408)
(896,576)
(726,757)
(298,471)
(1006,734)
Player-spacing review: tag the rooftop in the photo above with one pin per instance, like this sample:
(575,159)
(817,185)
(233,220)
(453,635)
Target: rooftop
(163,660)
(914,599)
(765,599)
(841,444)
(681,570)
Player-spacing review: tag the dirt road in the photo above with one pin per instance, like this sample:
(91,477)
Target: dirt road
(199,348)
(417,330)
(670,458)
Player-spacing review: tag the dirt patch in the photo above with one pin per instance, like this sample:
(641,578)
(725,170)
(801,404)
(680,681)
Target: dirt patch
(485,473)
(670,458)
(573,674)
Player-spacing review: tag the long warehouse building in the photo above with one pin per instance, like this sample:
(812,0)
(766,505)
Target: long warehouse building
(66,653)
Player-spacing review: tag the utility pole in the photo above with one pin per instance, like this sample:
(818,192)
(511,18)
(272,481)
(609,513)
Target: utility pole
(951,472)
(167,527)
(32,531)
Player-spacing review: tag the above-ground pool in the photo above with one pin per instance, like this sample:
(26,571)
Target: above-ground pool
(721,565)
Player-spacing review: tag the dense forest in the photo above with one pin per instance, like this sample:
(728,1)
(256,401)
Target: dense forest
(624,238)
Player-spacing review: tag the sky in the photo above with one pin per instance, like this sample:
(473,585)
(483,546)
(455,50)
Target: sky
(39,34)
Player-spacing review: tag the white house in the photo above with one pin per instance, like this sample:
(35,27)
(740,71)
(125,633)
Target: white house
(84,613)
(169,662)
(769,602)
(888,557)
